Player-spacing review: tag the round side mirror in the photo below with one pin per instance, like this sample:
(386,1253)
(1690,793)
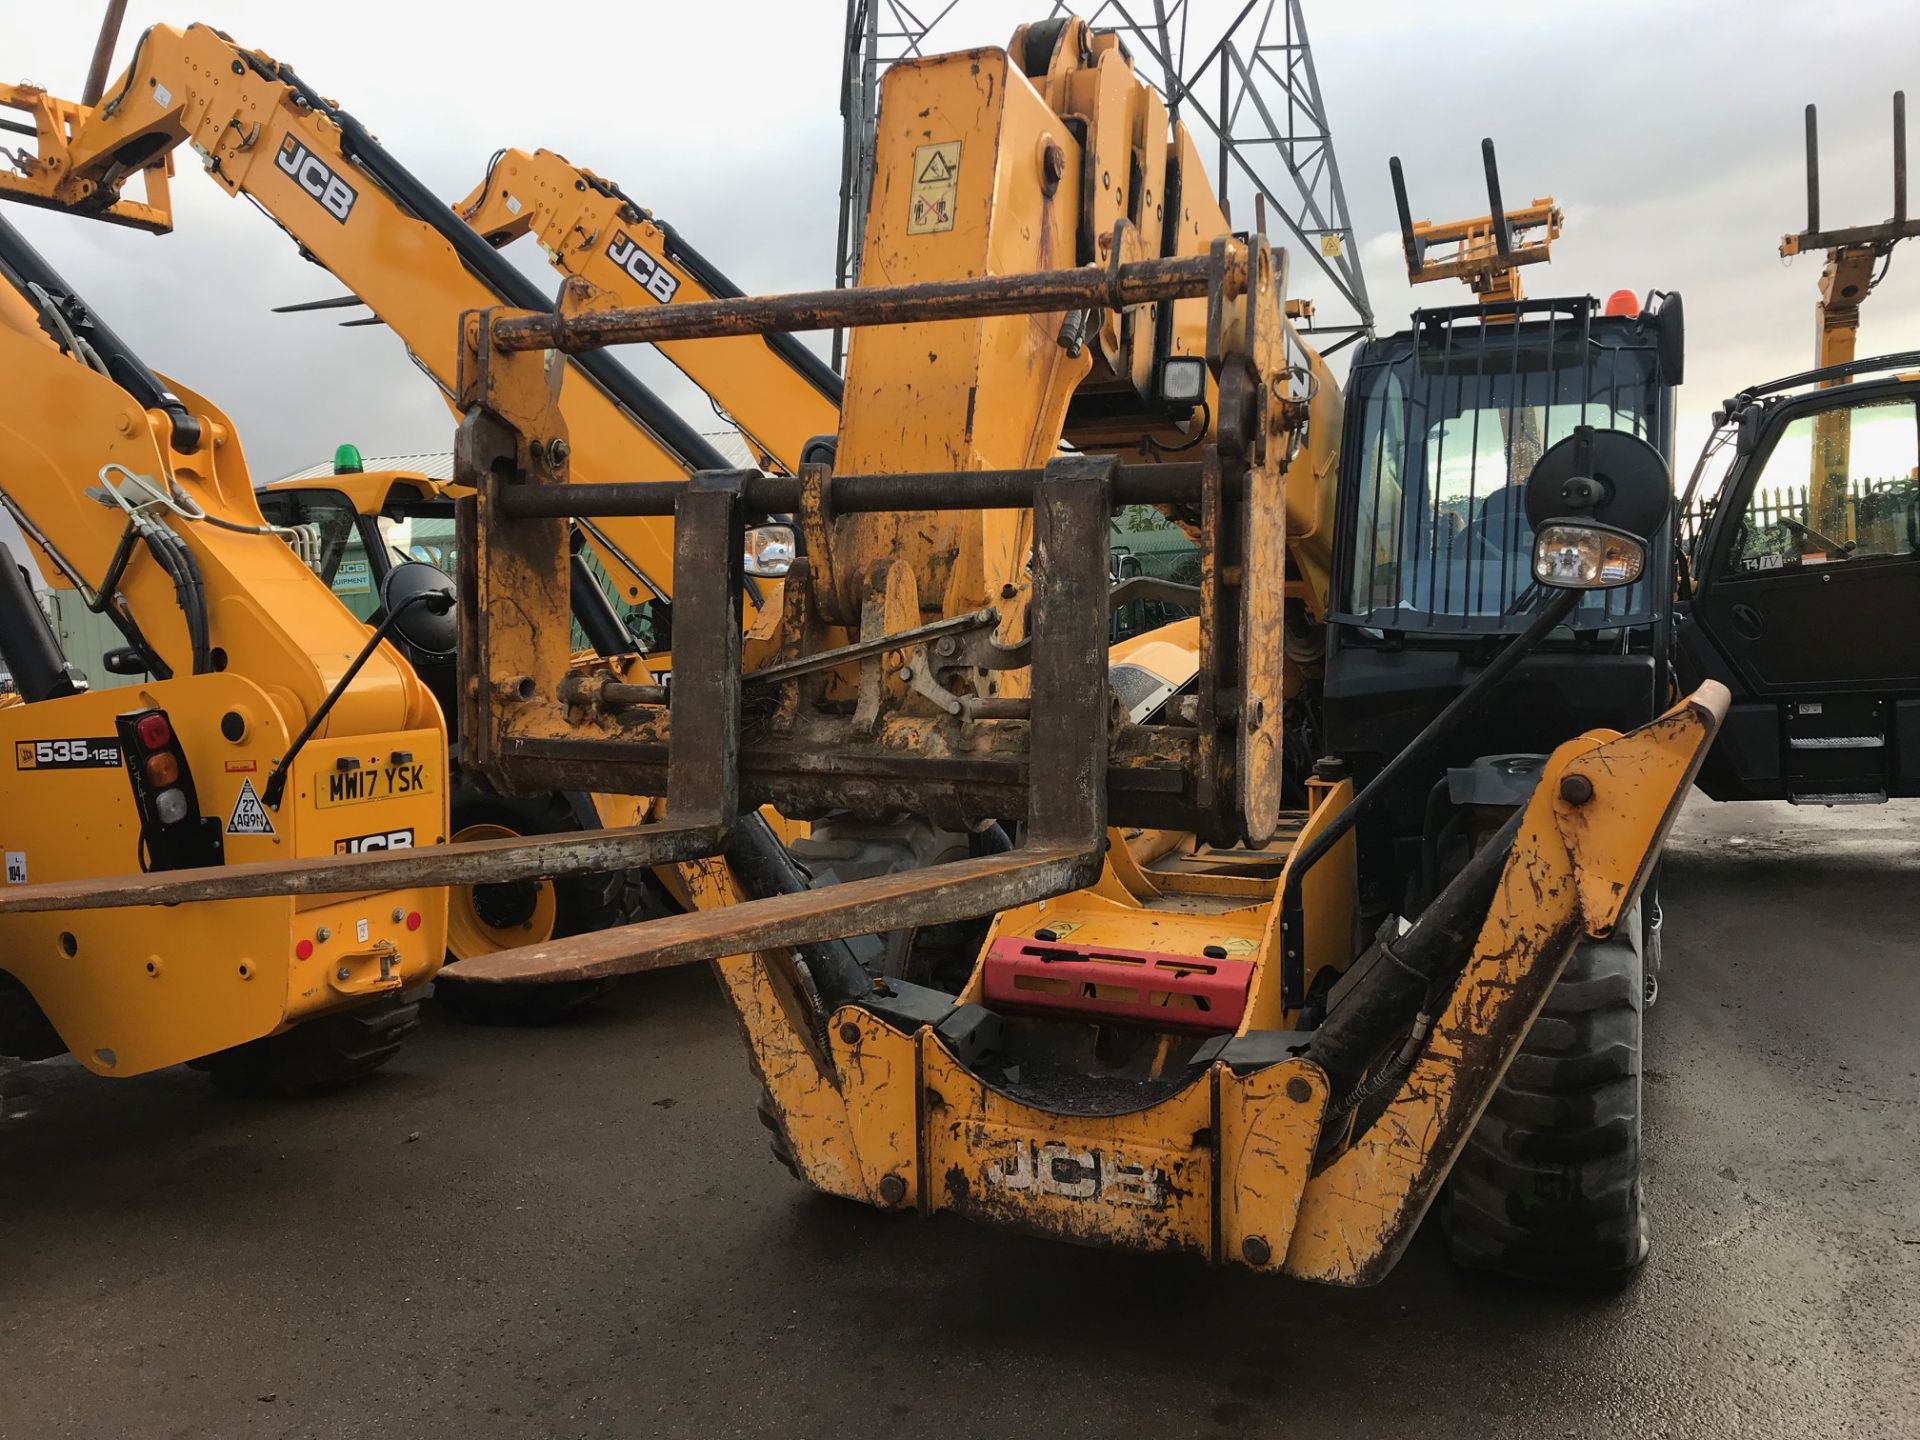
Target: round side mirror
(1594,499)
(420,598)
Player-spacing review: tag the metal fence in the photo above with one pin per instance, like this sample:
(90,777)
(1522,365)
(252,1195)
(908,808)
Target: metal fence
(1881,510)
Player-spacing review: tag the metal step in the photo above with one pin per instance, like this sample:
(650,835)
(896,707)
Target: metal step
(1836,797)
(1837,742)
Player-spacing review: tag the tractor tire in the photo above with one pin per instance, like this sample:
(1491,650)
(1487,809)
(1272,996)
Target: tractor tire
(777,1135)
(317,1056)
(842,847)
(486,918)
(1548,1186)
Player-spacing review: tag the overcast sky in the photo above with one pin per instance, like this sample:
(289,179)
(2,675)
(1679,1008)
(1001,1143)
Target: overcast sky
(1670,133)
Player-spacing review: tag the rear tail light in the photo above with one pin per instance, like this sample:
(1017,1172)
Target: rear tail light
(173,833)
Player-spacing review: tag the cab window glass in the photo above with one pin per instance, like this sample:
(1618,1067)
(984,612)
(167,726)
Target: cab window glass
(425,537)
(1838,487)
(325,533)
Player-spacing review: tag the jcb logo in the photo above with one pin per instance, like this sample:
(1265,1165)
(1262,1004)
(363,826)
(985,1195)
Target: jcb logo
(313,175)
(379,840)
(1036,1167)
(646,272)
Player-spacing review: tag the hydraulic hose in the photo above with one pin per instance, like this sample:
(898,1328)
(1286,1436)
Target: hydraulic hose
(1399,975)
(189,590)
(764,868)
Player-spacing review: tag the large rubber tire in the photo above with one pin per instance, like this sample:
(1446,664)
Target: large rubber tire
(777,1140)
(842,847)
(1548,1186)
(317,1056)
(530,912)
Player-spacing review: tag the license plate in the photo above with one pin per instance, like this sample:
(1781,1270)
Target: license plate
(372,782)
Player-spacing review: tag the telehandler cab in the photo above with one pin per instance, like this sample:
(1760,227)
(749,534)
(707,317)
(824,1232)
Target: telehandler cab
(268,727)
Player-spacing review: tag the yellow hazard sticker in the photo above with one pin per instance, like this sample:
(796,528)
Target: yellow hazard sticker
(936,188)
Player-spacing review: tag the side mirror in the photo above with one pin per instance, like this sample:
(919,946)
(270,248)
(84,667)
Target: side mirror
(420,598)
(124,661)
(770,550)
(1594,501)
(1670,320)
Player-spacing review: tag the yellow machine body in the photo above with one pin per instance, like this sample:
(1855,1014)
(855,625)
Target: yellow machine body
(1045,269)
(472,928)
(1224,1141)
(1235,1164)
(129,990)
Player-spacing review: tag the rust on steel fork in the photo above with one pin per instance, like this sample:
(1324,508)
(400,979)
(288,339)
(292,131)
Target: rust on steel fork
(1066,815)
(1086,287)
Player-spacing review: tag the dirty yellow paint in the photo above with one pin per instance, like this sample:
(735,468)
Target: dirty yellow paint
(1361,1210)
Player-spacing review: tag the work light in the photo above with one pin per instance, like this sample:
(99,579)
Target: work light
(1586,556)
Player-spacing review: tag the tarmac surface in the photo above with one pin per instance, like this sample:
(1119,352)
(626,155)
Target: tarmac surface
(580,1231)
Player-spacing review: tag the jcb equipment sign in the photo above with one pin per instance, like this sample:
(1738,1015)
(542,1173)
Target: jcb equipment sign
(316,177)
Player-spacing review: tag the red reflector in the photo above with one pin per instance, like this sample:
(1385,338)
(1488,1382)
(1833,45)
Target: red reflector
(413,920)
(163,769)
(1623,302)
(153,730)
(303,950)
(1168,992)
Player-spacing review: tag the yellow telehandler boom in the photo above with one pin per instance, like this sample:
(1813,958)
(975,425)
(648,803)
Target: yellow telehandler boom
(779,393)
(324,179)
(354,209)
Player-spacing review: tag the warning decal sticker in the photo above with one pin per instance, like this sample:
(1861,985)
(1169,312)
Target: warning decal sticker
(16,867)
(936,188)
(249,816)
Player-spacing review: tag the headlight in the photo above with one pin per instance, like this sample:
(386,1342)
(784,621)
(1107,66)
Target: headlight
(1183,380)
(1586,557)
(770,551)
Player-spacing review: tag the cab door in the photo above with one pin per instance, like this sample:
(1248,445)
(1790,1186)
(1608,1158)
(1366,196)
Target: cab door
(1811,592)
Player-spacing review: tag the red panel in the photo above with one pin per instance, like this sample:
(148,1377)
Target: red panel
(1189,993)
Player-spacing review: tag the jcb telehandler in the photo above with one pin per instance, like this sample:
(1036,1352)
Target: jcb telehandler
(269,727)
(1193,1052)
(1183,1046)
(356,210)
(1799,589)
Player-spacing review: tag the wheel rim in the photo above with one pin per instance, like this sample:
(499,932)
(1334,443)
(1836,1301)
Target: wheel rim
(484,918)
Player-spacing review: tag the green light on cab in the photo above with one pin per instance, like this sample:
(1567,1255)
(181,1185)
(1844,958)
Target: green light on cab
(346,460)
